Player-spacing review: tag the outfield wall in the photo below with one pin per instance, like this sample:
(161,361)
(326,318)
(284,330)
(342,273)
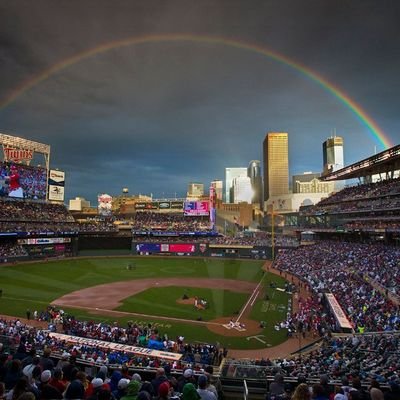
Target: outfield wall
(104,242)
(145,248)
(54,245)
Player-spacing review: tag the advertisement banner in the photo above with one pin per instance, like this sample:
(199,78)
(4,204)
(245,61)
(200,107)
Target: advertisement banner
(56,185)
(56,177)
(146,205)
(44,240)
(56,193)
(164,205)
(115,346)
(212,207)
(177,205)
(338,313)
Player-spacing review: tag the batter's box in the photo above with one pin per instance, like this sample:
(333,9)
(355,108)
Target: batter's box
(235,325)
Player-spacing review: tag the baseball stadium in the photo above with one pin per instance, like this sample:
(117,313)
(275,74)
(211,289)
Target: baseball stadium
(143,290)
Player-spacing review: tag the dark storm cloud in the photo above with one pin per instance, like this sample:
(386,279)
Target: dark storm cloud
(155,116)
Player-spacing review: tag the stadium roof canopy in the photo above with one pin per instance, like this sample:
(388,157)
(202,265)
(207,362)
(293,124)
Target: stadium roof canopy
(385,162)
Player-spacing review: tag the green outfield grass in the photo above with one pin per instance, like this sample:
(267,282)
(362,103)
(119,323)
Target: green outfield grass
(35,285)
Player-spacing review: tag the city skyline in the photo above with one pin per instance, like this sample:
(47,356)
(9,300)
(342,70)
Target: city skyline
(153,96)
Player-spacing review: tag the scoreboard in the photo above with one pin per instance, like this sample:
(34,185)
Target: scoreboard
(196,208)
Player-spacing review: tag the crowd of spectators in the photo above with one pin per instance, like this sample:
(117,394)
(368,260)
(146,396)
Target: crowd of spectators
(369,224)
(37,228)
(96,226)
(141,335)
(256,239)
(10,250)
(363,207)
(341,362)
(38,218)
(46,378)
(364,191)
(27,341)
(347,271)
(353,359)
(177,222)
(31,211)
(311,319)
(133,334)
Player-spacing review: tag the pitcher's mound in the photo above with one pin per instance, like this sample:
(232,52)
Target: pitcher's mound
(189,300)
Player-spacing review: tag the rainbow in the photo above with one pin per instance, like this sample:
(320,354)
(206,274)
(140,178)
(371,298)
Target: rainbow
(378,134)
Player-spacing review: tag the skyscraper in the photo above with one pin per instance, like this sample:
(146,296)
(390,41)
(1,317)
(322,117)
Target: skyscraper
(254,173)
(230,175)
(332,150)
(242,190)
(218,187)
(276,164)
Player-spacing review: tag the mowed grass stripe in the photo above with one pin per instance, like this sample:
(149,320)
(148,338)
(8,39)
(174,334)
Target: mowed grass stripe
(58,278)
(35,282)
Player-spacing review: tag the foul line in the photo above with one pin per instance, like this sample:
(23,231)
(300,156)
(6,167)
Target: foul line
(191,321)
(251,300)
(255,298)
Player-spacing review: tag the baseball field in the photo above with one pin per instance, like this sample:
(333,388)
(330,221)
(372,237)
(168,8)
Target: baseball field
(234,302)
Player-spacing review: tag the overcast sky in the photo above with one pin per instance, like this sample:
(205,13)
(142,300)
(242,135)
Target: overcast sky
(154,116)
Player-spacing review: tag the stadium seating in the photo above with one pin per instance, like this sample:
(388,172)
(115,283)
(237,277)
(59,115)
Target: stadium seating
(364,277)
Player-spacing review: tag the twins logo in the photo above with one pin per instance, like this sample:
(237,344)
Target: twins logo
(203,247)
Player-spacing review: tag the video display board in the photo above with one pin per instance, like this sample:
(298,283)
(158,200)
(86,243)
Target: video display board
(196,208)
(149,247)
(182,248)
(104,206)
(165,248)
(22,181)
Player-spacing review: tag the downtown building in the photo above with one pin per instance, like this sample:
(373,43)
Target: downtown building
(242,190)
(230,175)
(276,165)
(333,158)
(218,186)
(254,173)
(332,153)
(195,190)
(309,182)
